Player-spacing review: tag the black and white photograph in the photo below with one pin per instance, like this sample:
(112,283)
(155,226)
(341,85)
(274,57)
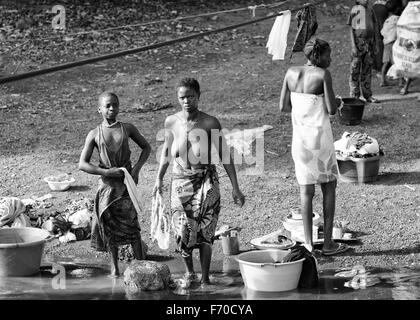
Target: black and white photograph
(211,158)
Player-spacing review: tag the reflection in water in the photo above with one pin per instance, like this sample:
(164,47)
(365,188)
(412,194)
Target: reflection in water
(406,284)
(90,280)
(222,284)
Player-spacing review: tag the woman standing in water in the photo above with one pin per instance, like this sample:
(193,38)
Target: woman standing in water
(195,196)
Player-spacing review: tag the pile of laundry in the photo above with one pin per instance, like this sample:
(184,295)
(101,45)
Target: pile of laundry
(12,213)
(72,224)
(357,145)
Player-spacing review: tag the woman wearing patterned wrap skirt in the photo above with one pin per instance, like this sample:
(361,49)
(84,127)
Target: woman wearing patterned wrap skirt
(195,206)
(195,196)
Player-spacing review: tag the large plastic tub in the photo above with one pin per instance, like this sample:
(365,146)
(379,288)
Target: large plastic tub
(21,250)
(358,170)
(262,270)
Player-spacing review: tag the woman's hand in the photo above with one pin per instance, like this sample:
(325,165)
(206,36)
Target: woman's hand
(157,187)
(114,173)
(354,52)
(238,197)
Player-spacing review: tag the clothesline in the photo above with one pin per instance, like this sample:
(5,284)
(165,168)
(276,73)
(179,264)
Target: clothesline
(140,49)
(307,26)
(75,34)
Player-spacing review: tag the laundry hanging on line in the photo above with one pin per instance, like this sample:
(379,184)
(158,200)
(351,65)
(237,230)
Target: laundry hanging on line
(277,40)
(307,26)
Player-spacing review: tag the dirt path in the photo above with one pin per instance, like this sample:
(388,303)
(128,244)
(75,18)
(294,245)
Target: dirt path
(44,120)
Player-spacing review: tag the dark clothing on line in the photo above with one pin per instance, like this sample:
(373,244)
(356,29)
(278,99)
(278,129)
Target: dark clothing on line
(307,26)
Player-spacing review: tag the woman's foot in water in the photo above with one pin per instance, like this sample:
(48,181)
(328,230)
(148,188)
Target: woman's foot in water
(187,280)
(115,272)
(205,281)
(205,284)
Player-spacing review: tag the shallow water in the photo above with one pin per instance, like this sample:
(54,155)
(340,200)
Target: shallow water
(82,279)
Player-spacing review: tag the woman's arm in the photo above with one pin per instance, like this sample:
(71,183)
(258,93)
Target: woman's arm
(165,156)
(86,166)
(330,99)
(135,135)
(353,43)
(285,104)
(219,141)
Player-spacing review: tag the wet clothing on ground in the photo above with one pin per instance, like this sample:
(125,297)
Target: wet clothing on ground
(309,275)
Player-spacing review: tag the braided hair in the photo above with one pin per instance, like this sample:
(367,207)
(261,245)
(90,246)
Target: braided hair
(314,48)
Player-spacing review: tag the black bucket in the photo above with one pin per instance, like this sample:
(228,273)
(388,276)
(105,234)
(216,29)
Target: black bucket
(352,111)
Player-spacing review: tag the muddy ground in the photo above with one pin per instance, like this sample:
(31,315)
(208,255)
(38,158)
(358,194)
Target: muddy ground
(44,120)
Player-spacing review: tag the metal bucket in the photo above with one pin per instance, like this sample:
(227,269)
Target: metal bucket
(230,245)
(21,250)
(351,113)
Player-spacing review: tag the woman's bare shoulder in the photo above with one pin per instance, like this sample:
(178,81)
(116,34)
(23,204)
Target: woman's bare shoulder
(92,134)
(294,70)
(94,131)
(171,120)
(292,77)
(326,72)
(129,127)
(210,122)
(319,73)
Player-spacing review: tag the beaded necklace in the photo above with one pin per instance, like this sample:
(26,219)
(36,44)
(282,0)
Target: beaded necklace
(110,125)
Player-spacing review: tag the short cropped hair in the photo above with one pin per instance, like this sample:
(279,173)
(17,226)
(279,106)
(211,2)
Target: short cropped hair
(107,94)
(189,83)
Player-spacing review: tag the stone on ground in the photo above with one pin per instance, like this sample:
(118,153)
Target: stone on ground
(146,276)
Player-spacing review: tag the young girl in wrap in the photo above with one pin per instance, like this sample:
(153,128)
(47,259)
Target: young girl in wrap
(116,221)
(308,94)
